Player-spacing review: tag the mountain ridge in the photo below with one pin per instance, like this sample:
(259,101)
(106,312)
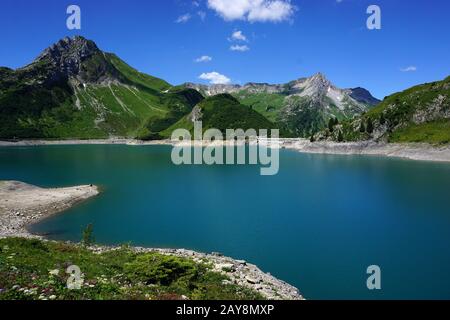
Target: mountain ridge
(303,106)
(73,89)
(359,94)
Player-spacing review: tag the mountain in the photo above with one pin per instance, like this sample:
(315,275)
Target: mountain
(419,114)
(75,90)
(303,106)
(222,112)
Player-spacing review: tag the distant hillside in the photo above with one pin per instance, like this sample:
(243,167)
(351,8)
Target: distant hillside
(75,90)
(419,114)
(302,107)
(222,112)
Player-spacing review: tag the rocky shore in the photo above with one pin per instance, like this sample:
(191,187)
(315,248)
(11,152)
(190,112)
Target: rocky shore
(412,151)
(22,204)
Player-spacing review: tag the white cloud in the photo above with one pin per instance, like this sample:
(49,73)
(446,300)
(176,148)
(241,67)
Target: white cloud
(203,59)
(184,18)
(409,69)
(215,78)
(202,15)
(239,48)
(253,10)
(238,36)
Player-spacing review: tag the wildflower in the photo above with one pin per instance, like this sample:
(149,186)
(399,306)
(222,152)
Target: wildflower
(54,272)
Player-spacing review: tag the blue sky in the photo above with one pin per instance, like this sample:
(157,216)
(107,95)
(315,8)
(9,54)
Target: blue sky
(286,40)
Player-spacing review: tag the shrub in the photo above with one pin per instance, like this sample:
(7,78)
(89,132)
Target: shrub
(154,268)
(88,235)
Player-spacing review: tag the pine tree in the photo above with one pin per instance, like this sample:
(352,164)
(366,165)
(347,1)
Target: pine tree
(331,124)
(88,235)
(362,127)
(369,127)
(340,136)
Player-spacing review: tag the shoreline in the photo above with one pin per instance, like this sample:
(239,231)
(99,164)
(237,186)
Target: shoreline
(22,205)
(411,151)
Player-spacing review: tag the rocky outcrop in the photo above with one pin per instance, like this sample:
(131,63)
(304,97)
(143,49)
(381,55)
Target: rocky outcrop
(78,61)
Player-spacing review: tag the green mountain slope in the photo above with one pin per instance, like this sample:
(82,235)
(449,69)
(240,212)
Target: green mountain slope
(74,90)
(301,107)
(222,112)
(419,114)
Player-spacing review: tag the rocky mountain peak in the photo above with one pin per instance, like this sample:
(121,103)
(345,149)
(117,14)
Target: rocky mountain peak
(77,59)
(69,51)
(363,95)
(318,82)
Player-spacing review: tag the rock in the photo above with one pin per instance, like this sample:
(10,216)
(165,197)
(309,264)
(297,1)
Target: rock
(228,267)
(252,280)
(217,254)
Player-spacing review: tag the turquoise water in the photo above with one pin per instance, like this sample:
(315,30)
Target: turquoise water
(318,224)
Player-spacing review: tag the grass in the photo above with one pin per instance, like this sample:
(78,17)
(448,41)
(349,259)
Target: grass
(396,113)
(224,112)
(269,105)
(36,270)
(436,132)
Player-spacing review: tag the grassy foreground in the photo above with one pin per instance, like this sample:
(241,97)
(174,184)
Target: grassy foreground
(36,270)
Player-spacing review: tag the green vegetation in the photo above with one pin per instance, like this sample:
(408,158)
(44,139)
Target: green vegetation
(179,103)
(137,77)
(419,114)
(436,132)
(223,112)
(332,123)
(269,105)
(88,236)
(104,98)
(299,116)
(34,269)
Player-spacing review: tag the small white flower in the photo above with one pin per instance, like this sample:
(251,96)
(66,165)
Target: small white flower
(54,272)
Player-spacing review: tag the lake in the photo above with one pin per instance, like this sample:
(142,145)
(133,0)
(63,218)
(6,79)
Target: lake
(318,224)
